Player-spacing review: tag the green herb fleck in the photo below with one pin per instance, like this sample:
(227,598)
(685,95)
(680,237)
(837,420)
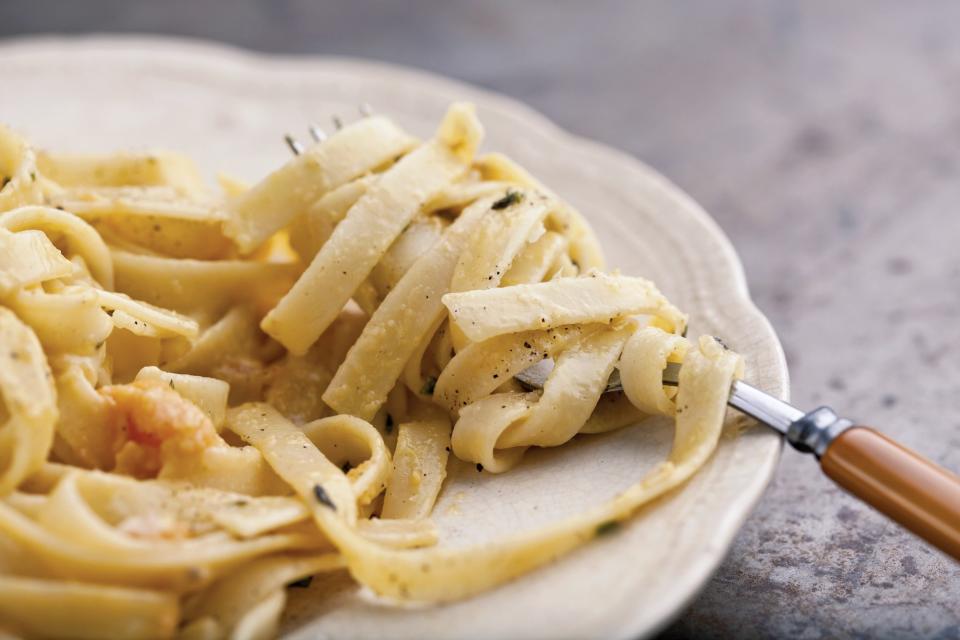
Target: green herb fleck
(321,495)
(608,527)
(429,386)
(512,197)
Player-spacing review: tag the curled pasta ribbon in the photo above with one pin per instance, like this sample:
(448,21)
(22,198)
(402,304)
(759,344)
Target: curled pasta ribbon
(19,178)
(354,444)
(29,403)
(29,258)
(644,358)
(73,236)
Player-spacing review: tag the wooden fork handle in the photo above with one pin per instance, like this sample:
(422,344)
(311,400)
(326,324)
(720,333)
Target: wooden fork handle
(920,495)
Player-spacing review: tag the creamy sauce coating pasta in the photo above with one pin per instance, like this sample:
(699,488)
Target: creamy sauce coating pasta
(206,399)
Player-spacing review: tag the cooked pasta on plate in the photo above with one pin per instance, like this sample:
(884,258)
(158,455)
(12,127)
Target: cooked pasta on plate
(207,397)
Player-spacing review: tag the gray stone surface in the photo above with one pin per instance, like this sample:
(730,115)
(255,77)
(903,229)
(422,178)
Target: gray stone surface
(825,139)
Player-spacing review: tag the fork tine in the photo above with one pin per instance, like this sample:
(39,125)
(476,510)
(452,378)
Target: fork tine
(337,122)
(317,133)
(295,146)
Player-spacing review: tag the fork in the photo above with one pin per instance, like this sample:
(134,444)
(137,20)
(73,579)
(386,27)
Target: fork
(912,490)
(915,492)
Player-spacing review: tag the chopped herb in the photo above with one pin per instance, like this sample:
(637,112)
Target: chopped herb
(608,527)
(428,386)
(722,343)
(302,583)
(171,385)
(512,197)
(388,427)
(684,334)
(321,495)
(33,176)
(479,467)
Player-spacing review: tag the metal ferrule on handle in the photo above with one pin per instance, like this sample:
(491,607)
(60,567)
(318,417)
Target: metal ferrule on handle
(815,431)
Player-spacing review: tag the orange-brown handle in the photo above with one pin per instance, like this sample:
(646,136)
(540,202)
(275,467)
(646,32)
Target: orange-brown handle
(920,495)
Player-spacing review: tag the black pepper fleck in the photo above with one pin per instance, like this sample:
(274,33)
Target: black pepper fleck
(321,495)
(512,197)
(428,386)
(302,583)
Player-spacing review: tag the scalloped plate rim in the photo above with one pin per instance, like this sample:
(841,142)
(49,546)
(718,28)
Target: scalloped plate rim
(643,623)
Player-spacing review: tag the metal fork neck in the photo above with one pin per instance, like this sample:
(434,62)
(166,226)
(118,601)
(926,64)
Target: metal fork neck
(808,432)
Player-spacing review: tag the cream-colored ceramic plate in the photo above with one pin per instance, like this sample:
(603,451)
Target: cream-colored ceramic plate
(229,109)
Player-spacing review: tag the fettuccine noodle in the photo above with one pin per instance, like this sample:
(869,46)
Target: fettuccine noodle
(206,399)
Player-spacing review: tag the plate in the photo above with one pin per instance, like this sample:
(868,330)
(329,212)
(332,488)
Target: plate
(229,109)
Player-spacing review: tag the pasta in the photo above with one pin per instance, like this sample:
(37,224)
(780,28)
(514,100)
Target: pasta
(207,398)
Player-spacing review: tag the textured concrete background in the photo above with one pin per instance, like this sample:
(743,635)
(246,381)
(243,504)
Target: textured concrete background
(825,139)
